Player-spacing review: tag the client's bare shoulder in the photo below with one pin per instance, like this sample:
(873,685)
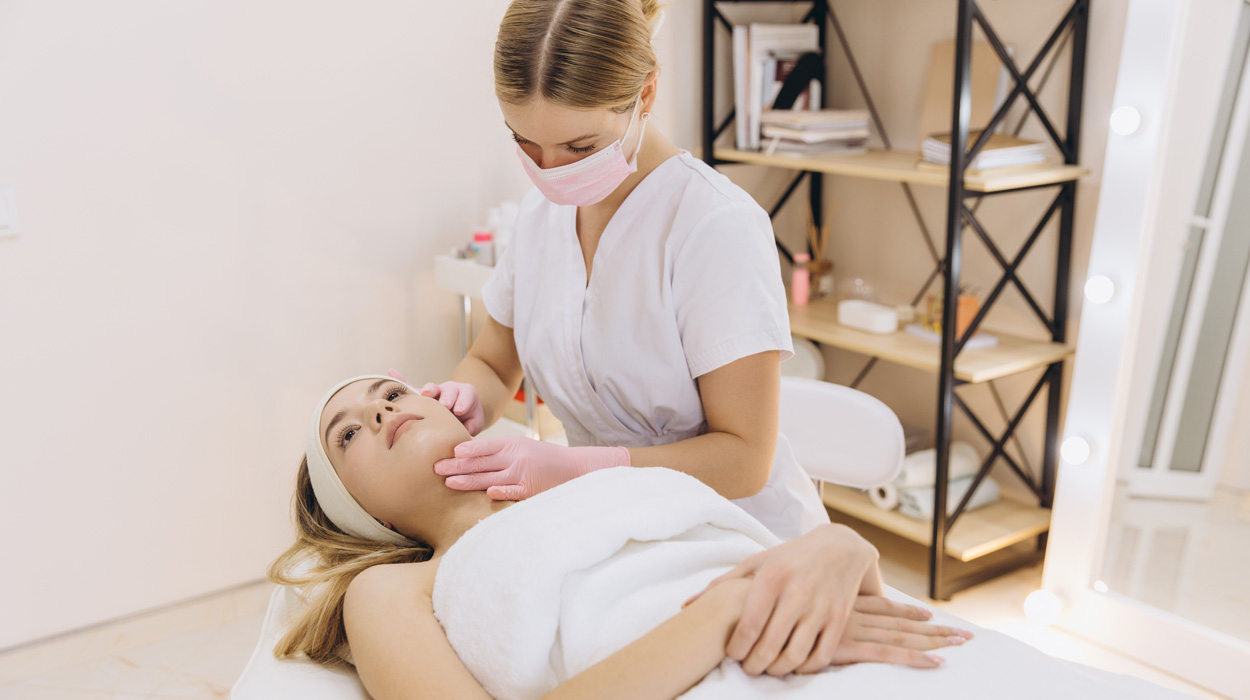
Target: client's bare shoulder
(388,584)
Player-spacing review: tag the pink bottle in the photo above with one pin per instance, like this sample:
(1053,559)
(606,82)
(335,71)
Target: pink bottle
(801,282)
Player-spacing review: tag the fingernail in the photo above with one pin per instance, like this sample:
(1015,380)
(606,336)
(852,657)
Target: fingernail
(444,467)
(935,659)
(965,634)
(461,449)
(927,613)
(454,482)
(955,641)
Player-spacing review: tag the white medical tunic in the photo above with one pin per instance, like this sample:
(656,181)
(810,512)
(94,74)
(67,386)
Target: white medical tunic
(685,280)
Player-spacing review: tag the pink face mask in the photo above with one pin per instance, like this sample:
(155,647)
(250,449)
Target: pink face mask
(591,179)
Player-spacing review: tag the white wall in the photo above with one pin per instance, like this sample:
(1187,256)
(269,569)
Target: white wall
(226,207)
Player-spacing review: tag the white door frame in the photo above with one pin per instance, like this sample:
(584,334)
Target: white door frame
(1144,206)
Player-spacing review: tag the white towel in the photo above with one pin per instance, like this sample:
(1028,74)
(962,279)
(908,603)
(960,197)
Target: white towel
(918,503)
(919,468)
(540,591)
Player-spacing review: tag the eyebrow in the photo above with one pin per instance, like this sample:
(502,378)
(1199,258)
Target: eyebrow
(566,143)
(343,413)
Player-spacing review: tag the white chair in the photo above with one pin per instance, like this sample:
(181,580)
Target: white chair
(839,435)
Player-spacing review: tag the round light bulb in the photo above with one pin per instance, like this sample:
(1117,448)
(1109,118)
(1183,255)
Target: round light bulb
(1100,587)
(1099,289)
(1125,120)
(1074,450)
(1042,607)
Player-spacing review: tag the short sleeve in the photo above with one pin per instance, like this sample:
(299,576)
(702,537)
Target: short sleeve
(497,293)
(727,290)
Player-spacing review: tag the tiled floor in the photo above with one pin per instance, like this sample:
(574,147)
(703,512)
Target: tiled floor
(197,650)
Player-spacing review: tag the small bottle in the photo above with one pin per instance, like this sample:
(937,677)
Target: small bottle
(801,281)
(485,247)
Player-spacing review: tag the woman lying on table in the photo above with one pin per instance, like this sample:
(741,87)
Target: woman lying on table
(627,582)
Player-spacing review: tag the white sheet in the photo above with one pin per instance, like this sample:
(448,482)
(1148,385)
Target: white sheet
(538,592)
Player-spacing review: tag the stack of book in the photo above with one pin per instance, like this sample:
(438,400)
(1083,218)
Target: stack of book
(764,57)
(1001,151)
(812,133)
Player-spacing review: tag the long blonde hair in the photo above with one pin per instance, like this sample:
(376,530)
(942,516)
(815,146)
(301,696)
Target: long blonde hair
(582,54)
(322,563)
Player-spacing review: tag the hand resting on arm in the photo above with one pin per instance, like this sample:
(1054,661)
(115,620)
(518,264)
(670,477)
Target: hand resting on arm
(815,601)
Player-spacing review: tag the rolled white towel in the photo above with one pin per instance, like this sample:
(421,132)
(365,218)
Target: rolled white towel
(920,468)
(884,497)
(918,503)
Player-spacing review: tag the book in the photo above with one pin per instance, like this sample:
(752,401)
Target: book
(817,119)
(770,131)
(978,340)
(776,70)
(741,63)
(755,46)
(989,84)
(1001,151)
(787,147)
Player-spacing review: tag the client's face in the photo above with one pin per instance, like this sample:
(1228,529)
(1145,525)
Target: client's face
(383,440)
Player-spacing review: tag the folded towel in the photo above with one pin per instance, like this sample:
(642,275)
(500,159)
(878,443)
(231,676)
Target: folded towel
(918,503)
(920,470)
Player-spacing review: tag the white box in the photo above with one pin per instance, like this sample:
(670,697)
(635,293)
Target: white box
(867,316)
(460,275)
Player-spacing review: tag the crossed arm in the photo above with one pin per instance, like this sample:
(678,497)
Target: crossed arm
(402,653)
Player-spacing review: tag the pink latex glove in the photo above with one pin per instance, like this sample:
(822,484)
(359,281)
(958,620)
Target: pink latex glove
(459,398)
(514,468)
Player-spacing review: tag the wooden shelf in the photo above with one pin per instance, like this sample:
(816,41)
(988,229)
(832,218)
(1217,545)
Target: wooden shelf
(905,166)
(977,532)
(818,321)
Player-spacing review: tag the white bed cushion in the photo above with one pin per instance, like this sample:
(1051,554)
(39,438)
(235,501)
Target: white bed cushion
(266,677)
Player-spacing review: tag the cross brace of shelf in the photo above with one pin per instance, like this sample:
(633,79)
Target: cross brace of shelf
(961,184)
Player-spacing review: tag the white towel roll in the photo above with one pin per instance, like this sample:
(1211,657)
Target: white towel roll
(884,497)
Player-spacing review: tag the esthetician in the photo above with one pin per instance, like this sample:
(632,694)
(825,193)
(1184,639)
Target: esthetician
(642,297)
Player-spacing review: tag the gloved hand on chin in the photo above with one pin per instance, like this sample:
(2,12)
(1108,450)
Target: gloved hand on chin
(514,468)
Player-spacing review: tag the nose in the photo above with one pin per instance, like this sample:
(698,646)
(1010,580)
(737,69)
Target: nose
(555,159)
(546,158)
(375,412)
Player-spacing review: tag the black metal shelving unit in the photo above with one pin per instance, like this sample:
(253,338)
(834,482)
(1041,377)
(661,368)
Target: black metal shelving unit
(960,217)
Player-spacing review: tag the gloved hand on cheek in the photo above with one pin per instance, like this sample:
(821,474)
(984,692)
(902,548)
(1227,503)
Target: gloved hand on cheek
(514,468)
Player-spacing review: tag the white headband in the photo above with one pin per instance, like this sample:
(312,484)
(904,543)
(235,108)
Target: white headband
(332,495)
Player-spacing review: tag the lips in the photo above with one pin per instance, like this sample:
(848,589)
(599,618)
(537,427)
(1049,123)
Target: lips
(400,421)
